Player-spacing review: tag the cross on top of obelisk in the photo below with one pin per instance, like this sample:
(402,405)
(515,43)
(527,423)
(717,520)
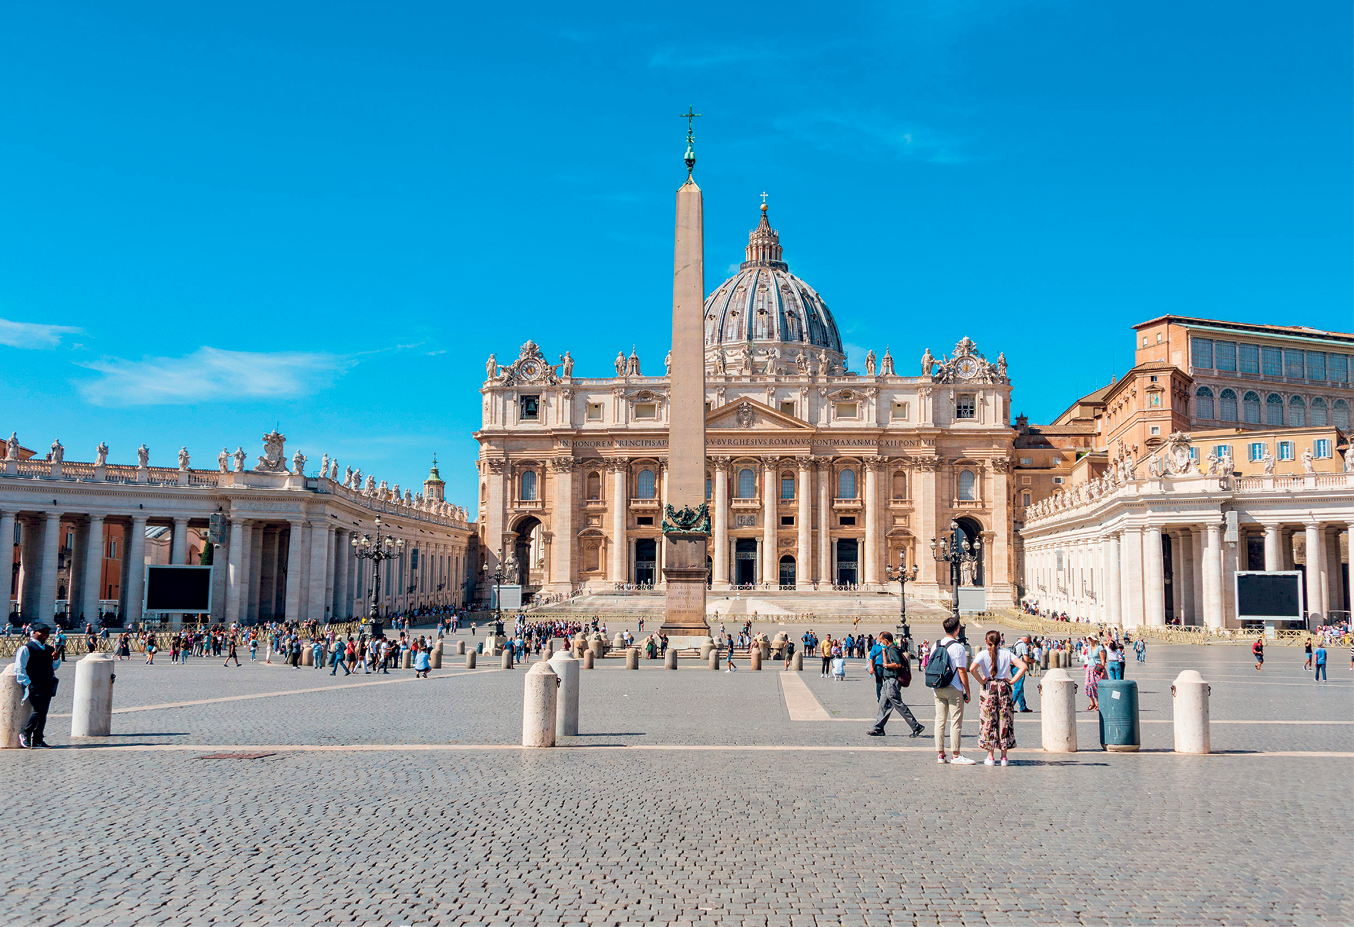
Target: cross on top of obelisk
(690,158)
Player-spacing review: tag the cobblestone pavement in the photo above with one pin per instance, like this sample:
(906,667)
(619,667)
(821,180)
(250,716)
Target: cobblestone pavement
(691,798)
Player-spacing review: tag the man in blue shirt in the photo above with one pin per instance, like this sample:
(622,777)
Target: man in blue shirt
(1320,662)
(35,670)
(877,667)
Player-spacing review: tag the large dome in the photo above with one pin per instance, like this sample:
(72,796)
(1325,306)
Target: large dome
(764,303)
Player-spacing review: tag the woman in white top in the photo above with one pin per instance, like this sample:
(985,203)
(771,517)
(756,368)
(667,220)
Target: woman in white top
(996,669)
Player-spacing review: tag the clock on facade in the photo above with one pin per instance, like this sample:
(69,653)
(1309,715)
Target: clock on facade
(967,367)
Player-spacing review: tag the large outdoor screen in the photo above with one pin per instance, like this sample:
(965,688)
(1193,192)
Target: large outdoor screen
(178,589)
(1269,596)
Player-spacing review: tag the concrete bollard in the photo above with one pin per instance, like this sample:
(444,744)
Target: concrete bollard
(307,655)
(460,648)
(1059,712)
(470,659)
(706,646)
(435,658)
(799,661)
(540,698)
(407,660)
(632,658)
(618,641)
(566,713)
(596,648)
(507,658)
(14,709)
(1189,694)
(756,659)
(588,659)
(765,648)
(92,713)
(670,659)
(714,660)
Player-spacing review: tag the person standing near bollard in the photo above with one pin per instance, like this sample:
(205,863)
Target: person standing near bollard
(35,670)
(1024,654)
(947,677)
(1307,652)
(1320,662)
(993,670)
(894,673)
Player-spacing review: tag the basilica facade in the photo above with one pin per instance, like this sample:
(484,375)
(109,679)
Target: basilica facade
(818,477)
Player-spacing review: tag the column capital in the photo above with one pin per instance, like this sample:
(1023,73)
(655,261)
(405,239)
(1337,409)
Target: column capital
(873,464)
(721,464)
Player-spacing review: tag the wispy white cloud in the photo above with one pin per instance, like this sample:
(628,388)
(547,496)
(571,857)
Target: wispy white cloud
(210,374)
(874,135)
(33,334)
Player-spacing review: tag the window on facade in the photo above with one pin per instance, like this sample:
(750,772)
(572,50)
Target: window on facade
(846,484)
(645,485)
(900,411)
(645,410)
(1274,410)
(899,484)
(847,521)
(594,483)
(592,556)
(1271,362)
(1297,412)
(1025,481)
(1319,414)
(1200,352)
(1222,450)
(1227,405)
(1193,453)
(1026,461)
(1340,418)
(1203,403)
(787,486)
(708,488)
(1058,480)
(787,408)
(1156,429)
(1294,363)
(70,540)
(967,484)
(529,486)
(1316,365)
(1321,447)
(747,484)
(787,521)
(1025,499)
(1255,451)
(1250,408)
(644,520)
(848,410)
(112,548)
(529,407)
(1224,356)
(1337,368)
(964,406)
(1285,450)
(594,411)
(1248,358)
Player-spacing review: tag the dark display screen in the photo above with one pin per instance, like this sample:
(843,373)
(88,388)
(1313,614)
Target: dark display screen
(1269,595)
(178,589)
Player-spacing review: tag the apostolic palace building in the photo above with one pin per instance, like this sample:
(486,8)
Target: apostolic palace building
(818,476)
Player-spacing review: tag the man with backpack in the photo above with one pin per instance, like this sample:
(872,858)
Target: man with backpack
(947,677)
(896,674)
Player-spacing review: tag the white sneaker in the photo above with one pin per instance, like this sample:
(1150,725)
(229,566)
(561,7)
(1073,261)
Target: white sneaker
(941,760)
(1003,761)
(989,762)
(961,760)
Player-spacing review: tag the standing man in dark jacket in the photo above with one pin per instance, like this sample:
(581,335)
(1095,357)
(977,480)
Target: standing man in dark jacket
(35,670)
(891,698)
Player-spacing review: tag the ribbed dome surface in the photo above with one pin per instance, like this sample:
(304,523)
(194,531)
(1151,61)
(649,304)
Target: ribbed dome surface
(765,302)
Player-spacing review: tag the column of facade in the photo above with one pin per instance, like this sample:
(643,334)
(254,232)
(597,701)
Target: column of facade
(1197,575)
(178,554)
(1177,568)
(1114,582)
(1184,577)
(235,570)
(1132,578)
(1212,573)
(719,475)
(562,552)
(1330,588)
(295,554)
(6,563)
(804,555)
(75,575)
(616,572)
(134,555)
(1154,587)
(343,555)
(770,477)
(330,566)
(1273,556)
(872,532)
(249,606)
(51,553)
(1349,590)
(93,567)
(268,573)
(1313,571)
(824,575)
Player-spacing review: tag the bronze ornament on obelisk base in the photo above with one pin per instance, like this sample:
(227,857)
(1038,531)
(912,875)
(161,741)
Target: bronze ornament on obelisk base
(687,525)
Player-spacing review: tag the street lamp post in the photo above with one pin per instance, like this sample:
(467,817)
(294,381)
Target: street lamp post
(377,551)
(903,575)
(956,550)
(497,576)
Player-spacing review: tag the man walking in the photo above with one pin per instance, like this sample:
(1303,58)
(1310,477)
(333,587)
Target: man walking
(891,670)
(877,667)
(1320,658)
(947,676)
(35,670)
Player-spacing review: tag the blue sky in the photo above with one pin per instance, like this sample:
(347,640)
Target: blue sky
(215,219)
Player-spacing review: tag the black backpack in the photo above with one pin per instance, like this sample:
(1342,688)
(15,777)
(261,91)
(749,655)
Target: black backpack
(939,668)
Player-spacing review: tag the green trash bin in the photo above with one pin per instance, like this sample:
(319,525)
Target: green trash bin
(479,647)
(1120,731)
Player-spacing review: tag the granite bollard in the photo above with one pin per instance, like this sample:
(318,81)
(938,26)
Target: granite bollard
(435,658)
(587,659)
(92,711)
(670,659)
(407,660)
(540,698)
(507,658)
(756,658)
(714,660)
(460,648)
(799,661)
(470,659)
(632,658)
(1059,712)
(566,719)
(14,709)
(1189,699)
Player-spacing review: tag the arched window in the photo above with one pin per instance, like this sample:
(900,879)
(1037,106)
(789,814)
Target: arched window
(846,484)
(528,486)
(1319,410)
(594,486)
(1297,412)
(1250,408)
(1203,403)
(1227,406)
(747,484)
(644,485)
(899,484)
(1341,416)
(967,482)
(1274,410)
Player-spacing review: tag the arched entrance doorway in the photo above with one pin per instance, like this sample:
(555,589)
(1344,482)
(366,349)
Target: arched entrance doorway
(973,532)
(848,559)
(787,571)
(745,561)
(528,551)
(646,561)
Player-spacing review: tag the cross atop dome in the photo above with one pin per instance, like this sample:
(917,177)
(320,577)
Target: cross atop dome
(764,245)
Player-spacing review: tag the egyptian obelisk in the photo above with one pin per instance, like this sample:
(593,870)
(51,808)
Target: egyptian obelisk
(687,525)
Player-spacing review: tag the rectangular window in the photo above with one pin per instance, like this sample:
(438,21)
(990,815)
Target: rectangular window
(1321,447)
(70,540)
(1026,461)
(900,411)
(1293,364)
(1194,453)
(1025,480)
(529,408)
(787,408)
(594,411)
(1058,480)
(646,410)
(848,410)
(1222,450)
(112,548)
(1316,365)
(1248,358)
(1256,451)
(1156,429)
(847,521)
(644,521)
(1224,356)
(1201,352)
(1025,499)
(787,521)
(1285,450)
(1271,362)
(964,406)
(787,487)
(1338,368)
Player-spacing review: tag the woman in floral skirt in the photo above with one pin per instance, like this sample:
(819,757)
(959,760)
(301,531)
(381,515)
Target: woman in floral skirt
(996,670)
